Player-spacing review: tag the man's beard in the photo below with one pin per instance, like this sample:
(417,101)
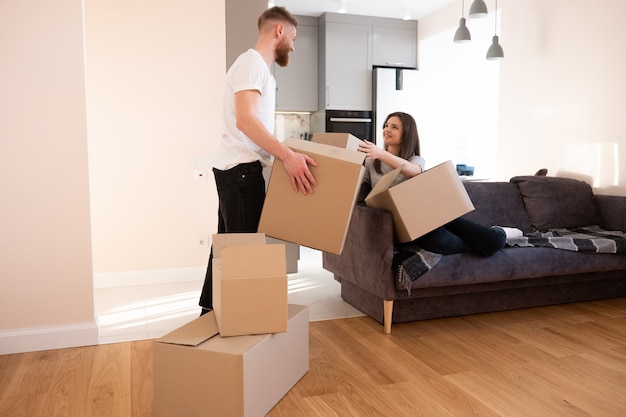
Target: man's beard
(282,54)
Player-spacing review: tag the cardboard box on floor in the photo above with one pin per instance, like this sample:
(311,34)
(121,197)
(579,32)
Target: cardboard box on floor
(422,203)
(249,284)
(319,220)
(197,372)
(342,140)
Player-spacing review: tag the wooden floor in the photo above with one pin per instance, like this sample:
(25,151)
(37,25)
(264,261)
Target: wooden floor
(567,360)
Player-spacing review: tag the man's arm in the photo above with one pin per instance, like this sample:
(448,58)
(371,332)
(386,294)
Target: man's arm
(246,103)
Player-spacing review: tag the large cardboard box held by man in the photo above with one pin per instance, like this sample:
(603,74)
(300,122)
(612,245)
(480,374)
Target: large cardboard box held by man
(249,284)
(319,220)
(199,373)
(422,203)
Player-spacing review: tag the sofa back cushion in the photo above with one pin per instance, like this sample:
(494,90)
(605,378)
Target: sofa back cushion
(497,203)
(553,202)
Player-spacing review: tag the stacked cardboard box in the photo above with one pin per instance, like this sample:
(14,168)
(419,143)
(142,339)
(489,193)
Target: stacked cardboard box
(197,372)
(242,358)
(249,284)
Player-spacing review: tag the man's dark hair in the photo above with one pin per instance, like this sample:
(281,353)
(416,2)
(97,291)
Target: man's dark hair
(277,14)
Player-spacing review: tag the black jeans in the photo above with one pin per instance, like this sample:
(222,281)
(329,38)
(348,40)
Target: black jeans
(241,193)
(462,235)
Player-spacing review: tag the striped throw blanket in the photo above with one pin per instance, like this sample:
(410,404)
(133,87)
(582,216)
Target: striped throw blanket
(579,239)
(410,262)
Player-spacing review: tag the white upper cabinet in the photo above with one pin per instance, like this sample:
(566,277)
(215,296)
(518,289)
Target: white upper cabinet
(296,84)
(395,46)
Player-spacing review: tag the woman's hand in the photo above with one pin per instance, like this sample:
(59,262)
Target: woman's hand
(370,150)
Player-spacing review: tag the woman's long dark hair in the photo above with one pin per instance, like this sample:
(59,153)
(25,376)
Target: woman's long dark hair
(410,144)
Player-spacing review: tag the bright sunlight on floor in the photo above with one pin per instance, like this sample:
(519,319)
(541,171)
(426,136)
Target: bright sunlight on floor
(149,311)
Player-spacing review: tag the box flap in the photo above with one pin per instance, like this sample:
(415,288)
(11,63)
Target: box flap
(312,148)
(222,240)
(253,261)
(384,183)
(194,332)
(344,140)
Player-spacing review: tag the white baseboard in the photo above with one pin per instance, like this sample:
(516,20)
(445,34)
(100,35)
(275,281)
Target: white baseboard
(148,277)
(45,338)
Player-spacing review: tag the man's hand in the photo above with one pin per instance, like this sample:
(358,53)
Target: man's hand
(297,166)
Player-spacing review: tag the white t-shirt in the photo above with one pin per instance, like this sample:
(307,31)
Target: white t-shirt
(248,72)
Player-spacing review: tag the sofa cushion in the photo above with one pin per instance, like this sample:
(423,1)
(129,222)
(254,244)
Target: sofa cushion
(497,203)
(553,202)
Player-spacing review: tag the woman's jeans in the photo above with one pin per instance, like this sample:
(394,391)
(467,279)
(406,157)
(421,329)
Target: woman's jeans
(462,235)
(241,193)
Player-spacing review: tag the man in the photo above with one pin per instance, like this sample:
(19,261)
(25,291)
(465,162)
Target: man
(247,143)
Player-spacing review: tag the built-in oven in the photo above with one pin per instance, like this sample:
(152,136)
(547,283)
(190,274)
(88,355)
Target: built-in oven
(355,122)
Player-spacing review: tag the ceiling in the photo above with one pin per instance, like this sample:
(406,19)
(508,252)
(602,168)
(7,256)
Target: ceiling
(381,8)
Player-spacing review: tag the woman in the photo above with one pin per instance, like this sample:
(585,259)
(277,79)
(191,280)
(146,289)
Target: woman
(402,149)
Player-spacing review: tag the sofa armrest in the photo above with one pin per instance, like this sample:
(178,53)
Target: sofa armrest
(367,256)
(612,211)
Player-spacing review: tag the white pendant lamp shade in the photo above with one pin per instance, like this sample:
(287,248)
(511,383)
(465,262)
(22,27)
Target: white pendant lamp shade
(478,9)
(495,51)
(462,34)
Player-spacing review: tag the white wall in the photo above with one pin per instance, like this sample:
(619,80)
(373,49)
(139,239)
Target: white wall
(154,85)
(143,117)
(46,297)
(562,89)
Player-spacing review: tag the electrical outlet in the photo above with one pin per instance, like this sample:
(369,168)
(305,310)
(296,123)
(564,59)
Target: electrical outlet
(203,241)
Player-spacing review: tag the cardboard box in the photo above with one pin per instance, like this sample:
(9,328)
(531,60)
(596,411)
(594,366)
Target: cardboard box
(422,203)
(292,250)
(319,220)
(342,140)
(199,373)
(249,284)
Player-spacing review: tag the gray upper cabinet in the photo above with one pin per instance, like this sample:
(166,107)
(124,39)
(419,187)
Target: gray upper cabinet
(350,46)
(348,61)
(296,84)
(395,46)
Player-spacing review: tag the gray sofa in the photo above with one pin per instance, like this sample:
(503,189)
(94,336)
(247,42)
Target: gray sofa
(468,283)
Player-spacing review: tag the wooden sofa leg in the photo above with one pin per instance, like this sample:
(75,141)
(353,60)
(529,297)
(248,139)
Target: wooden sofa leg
(387,314)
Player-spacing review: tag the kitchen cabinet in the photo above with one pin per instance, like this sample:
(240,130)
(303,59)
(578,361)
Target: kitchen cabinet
(297,83)
(350,46)
(347,70)
(395,46)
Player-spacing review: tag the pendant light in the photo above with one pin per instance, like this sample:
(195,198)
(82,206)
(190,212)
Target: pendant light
(478,9)
(495,51)
(462,34)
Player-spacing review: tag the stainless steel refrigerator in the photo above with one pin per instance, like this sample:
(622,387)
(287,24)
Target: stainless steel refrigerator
(394,89)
